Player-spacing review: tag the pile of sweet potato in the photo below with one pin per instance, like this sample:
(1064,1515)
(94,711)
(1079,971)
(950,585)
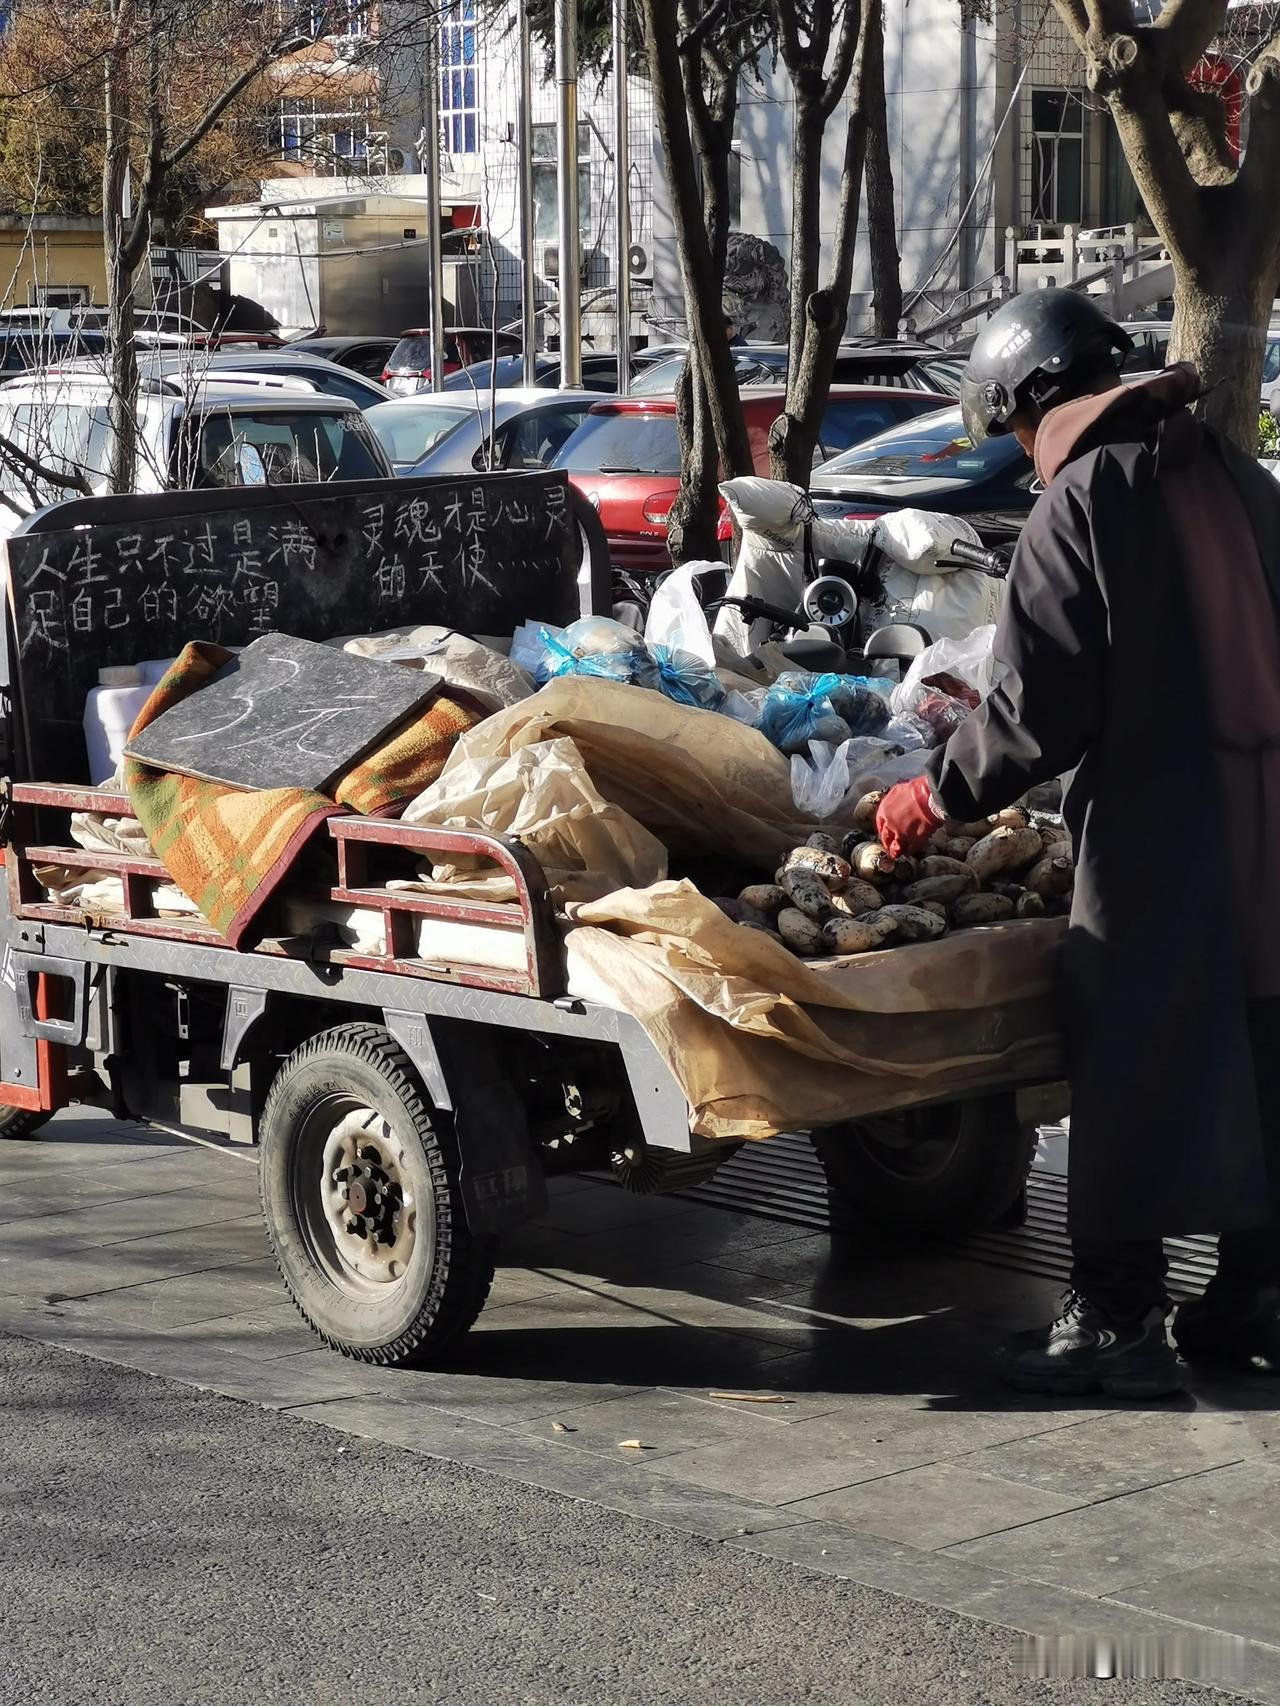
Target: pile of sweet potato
(843,894)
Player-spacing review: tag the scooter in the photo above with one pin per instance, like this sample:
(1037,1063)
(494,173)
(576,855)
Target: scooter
(832,603)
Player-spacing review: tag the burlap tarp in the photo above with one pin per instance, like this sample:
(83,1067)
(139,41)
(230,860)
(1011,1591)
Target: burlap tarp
(758,1040)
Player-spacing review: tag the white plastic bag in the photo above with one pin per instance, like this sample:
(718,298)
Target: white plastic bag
(676,618)
(945,599)
(970,660)
(833,778)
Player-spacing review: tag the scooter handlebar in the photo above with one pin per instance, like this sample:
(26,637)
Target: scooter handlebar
(994,562)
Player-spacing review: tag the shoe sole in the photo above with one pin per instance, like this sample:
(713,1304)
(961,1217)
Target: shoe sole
(1110,1385)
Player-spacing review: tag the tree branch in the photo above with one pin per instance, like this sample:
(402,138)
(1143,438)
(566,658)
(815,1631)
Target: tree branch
(1187,28)
(697,33)
(1257,176)
(852,28)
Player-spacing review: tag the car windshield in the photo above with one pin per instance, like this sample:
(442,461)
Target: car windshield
(407,431)
(411,355)
(935,448)
(663,376)
(1271,362)
(623,442)
(275,448)
(507,371)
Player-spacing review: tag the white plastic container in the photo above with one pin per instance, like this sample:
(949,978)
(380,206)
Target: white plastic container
(152,670)
(109,713)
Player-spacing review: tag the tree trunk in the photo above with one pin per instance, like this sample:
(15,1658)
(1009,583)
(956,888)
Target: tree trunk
(1219,220)
(882,222)
(701,287)
(819,316)
(692,521)
(1218,324)
(122,358)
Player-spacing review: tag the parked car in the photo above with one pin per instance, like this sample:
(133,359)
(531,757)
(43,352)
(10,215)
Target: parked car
(367,356)
(625,457)
(21,351)
(243,430)
(408,366)
(311,372)
(452,432)
(930,463)
(599,373)
(859,361)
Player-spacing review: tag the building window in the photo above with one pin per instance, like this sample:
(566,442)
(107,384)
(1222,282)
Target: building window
(1057,157)
(329,136)
(337,18)
(546,210)
(459,106)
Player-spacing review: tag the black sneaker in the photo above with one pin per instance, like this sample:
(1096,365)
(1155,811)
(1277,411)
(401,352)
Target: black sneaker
(1243,1332)
(1084,1350)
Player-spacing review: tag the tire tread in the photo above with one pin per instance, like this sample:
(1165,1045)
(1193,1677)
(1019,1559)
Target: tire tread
(451,1307)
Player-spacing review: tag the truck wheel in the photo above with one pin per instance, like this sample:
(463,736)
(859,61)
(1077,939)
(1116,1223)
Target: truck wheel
(20,1122)
(933,1172)
(359,1187)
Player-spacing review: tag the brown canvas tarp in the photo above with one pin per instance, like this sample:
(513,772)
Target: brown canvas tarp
(758,1040)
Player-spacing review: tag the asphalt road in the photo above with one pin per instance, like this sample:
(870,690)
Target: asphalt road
(160,1545)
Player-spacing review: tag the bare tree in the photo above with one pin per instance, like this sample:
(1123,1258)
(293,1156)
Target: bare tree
(824,45)
(695,58)
(1219,219)
(882,221)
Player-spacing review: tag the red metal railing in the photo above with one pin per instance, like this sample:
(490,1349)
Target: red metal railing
(357,843)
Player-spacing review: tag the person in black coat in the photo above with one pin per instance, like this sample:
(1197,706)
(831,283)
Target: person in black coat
(1138,657)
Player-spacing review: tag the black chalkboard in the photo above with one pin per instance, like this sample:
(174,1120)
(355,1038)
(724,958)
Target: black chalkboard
(105,581)
(285,713)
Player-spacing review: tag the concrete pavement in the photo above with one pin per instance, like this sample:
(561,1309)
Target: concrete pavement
(164,1546)
(894,1460)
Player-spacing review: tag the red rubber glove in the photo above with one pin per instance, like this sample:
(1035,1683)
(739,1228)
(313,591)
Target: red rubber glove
(907,816)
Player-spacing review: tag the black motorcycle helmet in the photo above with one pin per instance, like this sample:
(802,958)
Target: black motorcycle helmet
(1040,347)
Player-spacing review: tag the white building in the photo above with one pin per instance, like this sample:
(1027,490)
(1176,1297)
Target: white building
(991,128)
(351,146)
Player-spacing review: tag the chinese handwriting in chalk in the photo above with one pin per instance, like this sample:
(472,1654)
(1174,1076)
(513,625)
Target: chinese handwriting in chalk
(372,523)
(296,544)
(159,603)
(389,580)
(415,524)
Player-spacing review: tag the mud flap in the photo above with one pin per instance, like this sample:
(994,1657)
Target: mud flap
(501,1181)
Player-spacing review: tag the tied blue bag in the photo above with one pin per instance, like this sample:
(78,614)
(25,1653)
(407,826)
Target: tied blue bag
(800,707)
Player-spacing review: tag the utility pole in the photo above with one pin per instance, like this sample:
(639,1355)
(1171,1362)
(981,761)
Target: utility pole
(622,193)
(570,248)
(431,167)
(528,317)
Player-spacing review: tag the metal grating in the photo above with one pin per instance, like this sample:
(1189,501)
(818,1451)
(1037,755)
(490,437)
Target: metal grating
(783,1180)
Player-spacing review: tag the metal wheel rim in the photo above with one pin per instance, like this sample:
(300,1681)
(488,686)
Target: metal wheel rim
(912,1147)
(356,1201)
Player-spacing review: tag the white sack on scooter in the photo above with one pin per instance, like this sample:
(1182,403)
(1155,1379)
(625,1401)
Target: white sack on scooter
(773,515)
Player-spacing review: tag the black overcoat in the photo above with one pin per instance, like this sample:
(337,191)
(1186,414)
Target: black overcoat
(1103,684)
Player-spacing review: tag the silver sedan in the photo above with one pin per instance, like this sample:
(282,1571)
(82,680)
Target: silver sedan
(454,432)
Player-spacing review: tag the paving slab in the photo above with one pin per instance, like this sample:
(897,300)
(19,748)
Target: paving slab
(1113,1454)
(664,1423)
(1240,1596)
(1101,1548)
(935,1506)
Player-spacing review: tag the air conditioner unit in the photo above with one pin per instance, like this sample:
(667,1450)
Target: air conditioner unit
(402,160)
(639,264)
(551,262)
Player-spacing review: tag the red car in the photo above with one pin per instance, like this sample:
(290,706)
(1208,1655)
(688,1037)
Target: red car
(625,456)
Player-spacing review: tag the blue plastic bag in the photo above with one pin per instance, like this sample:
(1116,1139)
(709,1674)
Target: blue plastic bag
(686,679)
(798,708)
(593,645)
